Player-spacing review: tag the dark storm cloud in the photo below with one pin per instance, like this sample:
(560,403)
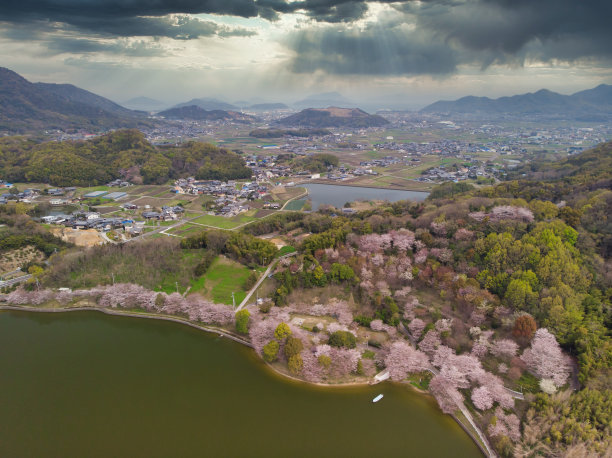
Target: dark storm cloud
(435,36)
(423,37)
(372,52)
(86,46)
(163,18)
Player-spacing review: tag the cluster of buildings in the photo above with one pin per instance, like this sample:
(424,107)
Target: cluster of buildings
(167,213)
(460,173)
(230,196)
(27,195)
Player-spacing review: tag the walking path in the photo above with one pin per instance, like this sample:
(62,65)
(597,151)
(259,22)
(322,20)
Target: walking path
(261,280)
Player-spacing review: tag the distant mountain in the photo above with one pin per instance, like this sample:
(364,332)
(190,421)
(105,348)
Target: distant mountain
(268,106)
(592,104)
(326,99)
(27,107)
(194,112)
(208,103)
(333,117)
(145,104)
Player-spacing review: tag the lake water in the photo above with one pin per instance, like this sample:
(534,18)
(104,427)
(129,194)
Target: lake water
(337,195)
(83,384)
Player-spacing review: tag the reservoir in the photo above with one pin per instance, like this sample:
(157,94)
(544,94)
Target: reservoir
(84,384)
(338,195)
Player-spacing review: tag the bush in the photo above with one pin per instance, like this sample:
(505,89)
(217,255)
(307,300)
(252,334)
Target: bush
(251,281)
(296,364)
(242,321)
(282,331)
(363,320)
(270,351)
(368,354)
(324,361)
(374,343)
(359,369)
(293,347)
(342,339)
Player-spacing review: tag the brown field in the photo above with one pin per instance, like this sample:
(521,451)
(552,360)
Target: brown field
(10,260)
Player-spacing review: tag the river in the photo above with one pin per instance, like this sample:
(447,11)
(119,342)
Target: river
(83,384)
(338,195)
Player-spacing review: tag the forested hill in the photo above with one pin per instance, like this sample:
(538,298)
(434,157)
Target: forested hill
(26,107)
(123,153)
(333,117)
(195,112)
(578,189)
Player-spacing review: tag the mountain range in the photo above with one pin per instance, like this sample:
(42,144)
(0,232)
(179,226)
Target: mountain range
(26,107)
(208,103)
(333,117)
(589,105)
(194,112)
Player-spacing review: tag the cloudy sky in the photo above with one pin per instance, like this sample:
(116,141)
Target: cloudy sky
(381,52)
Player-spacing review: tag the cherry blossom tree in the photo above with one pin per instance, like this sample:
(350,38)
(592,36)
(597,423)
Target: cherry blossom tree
(444,325)
(430,342)
(421,256)
(448,396)
(376,325)
(344,360)
(480,349)
(463,234)
(482,399)
(403,358)
(545,359)
(505,425)
(403,240)
(416,328)
(504,348)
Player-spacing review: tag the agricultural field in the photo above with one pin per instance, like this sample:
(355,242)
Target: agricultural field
(222,222)
(223,277)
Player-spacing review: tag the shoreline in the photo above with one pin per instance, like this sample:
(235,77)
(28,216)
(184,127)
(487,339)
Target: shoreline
(222,333)
(354,185)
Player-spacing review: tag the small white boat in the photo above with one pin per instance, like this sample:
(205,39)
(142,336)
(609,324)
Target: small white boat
(377,398)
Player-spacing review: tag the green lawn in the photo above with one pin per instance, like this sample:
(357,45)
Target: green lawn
(223,277)
(186,229)
(222,222)
(295,205)
(285,250)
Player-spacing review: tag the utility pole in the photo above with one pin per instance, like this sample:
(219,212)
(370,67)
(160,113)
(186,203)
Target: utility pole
(233,300)
(113,275)
(176,283)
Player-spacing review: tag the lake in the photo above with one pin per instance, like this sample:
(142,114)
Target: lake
(338,195)
(83,384)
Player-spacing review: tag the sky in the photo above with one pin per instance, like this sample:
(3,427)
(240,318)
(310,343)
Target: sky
(379,53)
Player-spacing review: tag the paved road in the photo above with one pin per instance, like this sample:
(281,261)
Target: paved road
(14,281)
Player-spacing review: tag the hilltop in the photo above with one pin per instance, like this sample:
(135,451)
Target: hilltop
(589,105)
(194,112)
(333,117)
(122,153)
(26,106)
(208,103)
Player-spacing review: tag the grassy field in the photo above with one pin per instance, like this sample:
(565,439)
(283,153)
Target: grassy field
(223,277)
(222,222)
(295,205)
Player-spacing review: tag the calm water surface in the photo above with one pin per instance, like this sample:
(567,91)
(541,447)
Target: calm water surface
(83,384)
(339,195)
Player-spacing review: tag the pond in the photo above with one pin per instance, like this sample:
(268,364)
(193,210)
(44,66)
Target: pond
(338,195)
(85,384)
